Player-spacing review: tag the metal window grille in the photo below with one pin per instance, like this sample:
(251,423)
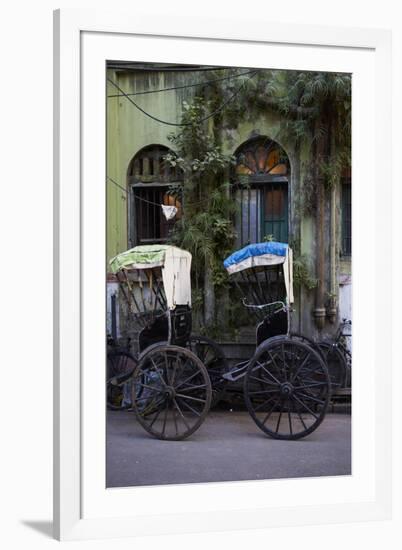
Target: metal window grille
(149,179)
(261,174)
(151,224)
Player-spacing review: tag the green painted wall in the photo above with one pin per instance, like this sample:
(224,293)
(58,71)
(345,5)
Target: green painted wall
(128,131)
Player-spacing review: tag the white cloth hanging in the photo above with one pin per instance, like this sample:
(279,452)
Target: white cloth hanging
(169,211)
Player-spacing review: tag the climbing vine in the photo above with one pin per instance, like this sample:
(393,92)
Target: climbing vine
(206,227)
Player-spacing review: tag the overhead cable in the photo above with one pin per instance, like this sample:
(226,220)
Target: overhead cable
(182,124)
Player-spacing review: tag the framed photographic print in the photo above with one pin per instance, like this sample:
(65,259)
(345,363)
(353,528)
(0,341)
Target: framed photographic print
(211,189)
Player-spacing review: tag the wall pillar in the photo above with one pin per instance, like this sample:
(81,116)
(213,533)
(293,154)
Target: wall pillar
(319,311)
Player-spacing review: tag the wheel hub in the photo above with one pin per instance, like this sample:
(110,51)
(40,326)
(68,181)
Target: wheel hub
(170,392)
(286,389)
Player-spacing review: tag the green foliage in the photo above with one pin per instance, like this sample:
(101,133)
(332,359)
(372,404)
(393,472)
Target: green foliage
(206,227)
(307,196)
(302,269)
(302,272)
(331,171)
(318,113)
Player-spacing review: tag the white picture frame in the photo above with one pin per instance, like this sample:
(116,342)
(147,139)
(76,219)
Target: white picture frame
(83,507)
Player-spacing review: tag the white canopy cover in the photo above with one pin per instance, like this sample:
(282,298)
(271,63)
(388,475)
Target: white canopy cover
(174,262)
(264,254)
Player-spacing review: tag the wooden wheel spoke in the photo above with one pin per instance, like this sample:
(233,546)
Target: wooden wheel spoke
(261,405)
(290,421)
(279,419)
(190,408)
(151,388)
(165,417)
(271,410)
(305,382)
(270,374)
(306,407)
(158,412)
(183,396)
(301,366)
(273,360)
(175,421)
(284,373)
(174,372)
(187,379)
(302,420)
(192,388)
(310,385)
(262,391)
(312,369)
(315,399)
(158,373)
(167,369)
(145,398)
(181,414)
(263,380)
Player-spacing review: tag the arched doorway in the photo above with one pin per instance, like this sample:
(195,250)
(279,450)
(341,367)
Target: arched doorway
(261,178)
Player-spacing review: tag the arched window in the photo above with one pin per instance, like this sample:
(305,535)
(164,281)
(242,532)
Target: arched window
(149,178)
(261,177)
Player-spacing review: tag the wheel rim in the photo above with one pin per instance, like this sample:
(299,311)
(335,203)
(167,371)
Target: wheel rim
(172,392)
(287,389)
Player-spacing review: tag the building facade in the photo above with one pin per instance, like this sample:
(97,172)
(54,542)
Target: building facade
(276,171)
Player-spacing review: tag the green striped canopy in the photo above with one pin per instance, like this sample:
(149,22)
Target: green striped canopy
(175,264)
(140,257)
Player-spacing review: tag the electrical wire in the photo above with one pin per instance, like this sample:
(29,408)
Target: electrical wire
(195,84)
(182,124)
(137,197)
(117,184)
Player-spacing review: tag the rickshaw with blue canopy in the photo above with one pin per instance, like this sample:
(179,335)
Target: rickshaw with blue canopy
(286,382)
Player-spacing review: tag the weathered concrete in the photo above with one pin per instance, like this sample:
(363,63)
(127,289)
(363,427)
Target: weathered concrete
(227,447)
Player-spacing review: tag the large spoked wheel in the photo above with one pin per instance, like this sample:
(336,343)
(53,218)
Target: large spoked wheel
(119,363)
(287,388)
(213,358)
(171,392)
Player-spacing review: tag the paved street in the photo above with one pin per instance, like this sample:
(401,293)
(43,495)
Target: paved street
(227,447)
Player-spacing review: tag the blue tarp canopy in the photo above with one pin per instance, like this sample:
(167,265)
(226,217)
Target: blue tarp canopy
(263,254)
(271,248)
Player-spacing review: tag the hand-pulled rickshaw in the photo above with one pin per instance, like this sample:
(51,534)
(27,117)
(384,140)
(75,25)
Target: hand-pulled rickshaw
(176,376)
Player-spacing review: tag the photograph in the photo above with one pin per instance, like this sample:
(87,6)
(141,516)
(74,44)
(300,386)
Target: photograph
(228,276)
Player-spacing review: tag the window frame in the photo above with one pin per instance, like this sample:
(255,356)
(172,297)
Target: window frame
(148,181)
(258,180)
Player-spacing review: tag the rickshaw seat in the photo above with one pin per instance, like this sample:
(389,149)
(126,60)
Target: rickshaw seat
(273,325)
